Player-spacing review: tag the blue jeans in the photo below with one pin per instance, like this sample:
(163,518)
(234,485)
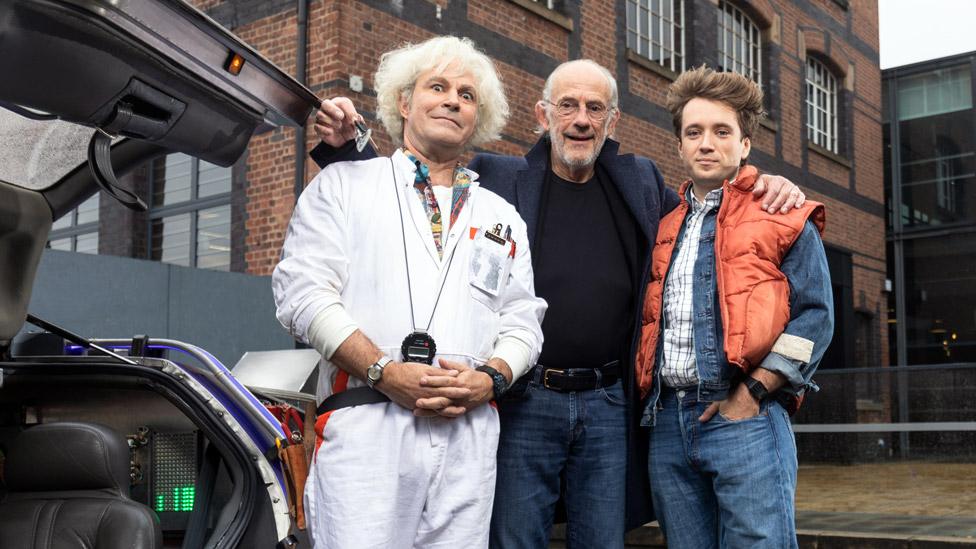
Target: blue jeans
(548,437)
(723,483)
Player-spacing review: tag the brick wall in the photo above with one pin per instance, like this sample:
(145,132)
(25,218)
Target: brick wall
(346,37)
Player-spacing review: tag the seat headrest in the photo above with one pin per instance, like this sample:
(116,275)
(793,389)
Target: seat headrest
(68,456)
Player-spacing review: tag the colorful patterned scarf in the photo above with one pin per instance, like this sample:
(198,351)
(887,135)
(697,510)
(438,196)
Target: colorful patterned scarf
(462,184)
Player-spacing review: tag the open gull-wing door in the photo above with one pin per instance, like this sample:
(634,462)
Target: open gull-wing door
(101,85)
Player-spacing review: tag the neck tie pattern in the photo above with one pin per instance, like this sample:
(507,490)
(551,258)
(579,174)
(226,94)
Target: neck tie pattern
(424,188)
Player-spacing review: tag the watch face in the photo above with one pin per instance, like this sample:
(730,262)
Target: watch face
(500,385)
(374,373)
(418,347)
(757,389)
(498,382)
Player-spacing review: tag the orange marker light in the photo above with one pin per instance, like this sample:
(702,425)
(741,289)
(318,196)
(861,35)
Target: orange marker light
(234,64)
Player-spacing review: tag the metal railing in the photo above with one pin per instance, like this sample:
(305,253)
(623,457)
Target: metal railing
(923,410)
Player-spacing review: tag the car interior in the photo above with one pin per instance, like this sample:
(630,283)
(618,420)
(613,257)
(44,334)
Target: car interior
(97,450)
(87,464)
(179,458)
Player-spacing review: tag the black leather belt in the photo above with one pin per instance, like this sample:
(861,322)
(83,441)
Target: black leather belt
(577,379)
(356,396)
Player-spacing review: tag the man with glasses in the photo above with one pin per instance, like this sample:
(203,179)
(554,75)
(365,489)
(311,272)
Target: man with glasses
(570,427)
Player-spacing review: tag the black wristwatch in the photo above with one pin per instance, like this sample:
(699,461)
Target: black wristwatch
(756,388)
(498,382)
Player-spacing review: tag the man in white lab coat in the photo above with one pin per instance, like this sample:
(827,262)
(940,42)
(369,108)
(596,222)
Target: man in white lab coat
(416,286)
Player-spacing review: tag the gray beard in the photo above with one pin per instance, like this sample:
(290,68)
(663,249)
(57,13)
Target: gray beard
(577,164)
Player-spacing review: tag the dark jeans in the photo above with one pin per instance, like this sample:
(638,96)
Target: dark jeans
(547,436)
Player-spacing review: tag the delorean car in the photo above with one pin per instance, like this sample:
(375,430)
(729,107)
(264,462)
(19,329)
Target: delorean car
(141,442)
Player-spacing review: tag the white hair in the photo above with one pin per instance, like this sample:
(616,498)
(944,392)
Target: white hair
(399,69)
(611,81)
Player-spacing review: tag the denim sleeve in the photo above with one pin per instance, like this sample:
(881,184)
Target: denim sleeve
(800,347)
(324,154)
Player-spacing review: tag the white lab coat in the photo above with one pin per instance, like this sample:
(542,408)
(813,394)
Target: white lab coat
(345,245)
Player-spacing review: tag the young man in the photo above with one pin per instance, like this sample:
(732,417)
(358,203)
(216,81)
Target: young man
(387,265)
(570,429)
(736,317)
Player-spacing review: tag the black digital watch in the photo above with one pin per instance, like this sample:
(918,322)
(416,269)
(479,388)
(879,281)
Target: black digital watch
(418,347)
(756,389)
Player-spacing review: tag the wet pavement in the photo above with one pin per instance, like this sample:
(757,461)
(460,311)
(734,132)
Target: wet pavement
(962,529)
(887,505)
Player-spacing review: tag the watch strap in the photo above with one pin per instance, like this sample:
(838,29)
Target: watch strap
(498,382)
(377,366)
(756,389)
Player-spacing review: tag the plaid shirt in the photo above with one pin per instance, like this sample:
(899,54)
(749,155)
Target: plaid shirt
(678,337)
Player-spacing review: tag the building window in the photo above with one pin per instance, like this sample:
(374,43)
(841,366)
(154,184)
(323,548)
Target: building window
(937,153)
(821,105)
(934,93)
(77,231)
(739,43)
(655,29)
(189,219)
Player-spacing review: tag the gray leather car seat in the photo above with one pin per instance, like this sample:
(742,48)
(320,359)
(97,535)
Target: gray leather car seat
(68,486)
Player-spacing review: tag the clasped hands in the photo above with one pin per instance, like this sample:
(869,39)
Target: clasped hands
(449,391)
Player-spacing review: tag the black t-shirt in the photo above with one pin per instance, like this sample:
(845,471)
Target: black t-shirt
(586,267)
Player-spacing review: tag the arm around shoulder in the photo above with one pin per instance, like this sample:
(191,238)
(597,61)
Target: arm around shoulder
(666,196)
(324,154)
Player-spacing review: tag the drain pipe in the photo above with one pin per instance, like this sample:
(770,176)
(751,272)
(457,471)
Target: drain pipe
(301,74)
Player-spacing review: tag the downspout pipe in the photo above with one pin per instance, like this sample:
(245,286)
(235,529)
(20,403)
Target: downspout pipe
(301,74)
(301,70)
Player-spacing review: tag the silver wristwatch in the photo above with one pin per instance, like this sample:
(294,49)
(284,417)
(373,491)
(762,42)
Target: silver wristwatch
(375,372)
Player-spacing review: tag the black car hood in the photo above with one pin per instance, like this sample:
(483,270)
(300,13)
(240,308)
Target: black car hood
(154,74)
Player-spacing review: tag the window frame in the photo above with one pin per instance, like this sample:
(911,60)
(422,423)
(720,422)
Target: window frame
(193,206)
(75,230)
(826,138)
(742,42)
(678,25)
(549,10)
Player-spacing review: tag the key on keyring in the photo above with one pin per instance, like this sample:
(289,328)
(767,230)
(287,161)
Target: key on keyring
(363,135)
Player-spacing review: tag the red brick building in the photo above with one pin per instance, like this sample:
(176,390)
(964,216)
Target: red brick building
(817,61)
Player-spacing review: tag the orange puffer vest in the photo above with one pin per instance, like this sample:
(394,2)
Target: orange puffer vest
(754,295)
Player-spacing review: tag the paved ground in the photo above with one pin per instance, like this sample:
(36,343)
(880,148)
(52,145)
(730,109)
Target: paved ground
(875,523)
(898,505)
(901,488)
(898,498)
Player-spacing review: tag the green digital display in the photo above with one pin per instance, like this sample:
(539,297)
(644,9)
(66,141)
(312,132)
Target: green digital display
(180,499)
(174,472)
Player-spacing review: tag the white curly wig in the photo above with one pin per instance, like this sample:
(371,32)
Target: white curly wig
(399,69)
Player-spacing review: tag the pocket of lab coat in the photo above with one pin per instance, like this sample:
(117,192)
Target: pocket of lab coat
(493,302)
(489,268)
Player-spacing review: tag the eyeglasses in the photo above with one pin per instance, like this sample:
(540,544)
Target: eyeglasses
(595,111)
